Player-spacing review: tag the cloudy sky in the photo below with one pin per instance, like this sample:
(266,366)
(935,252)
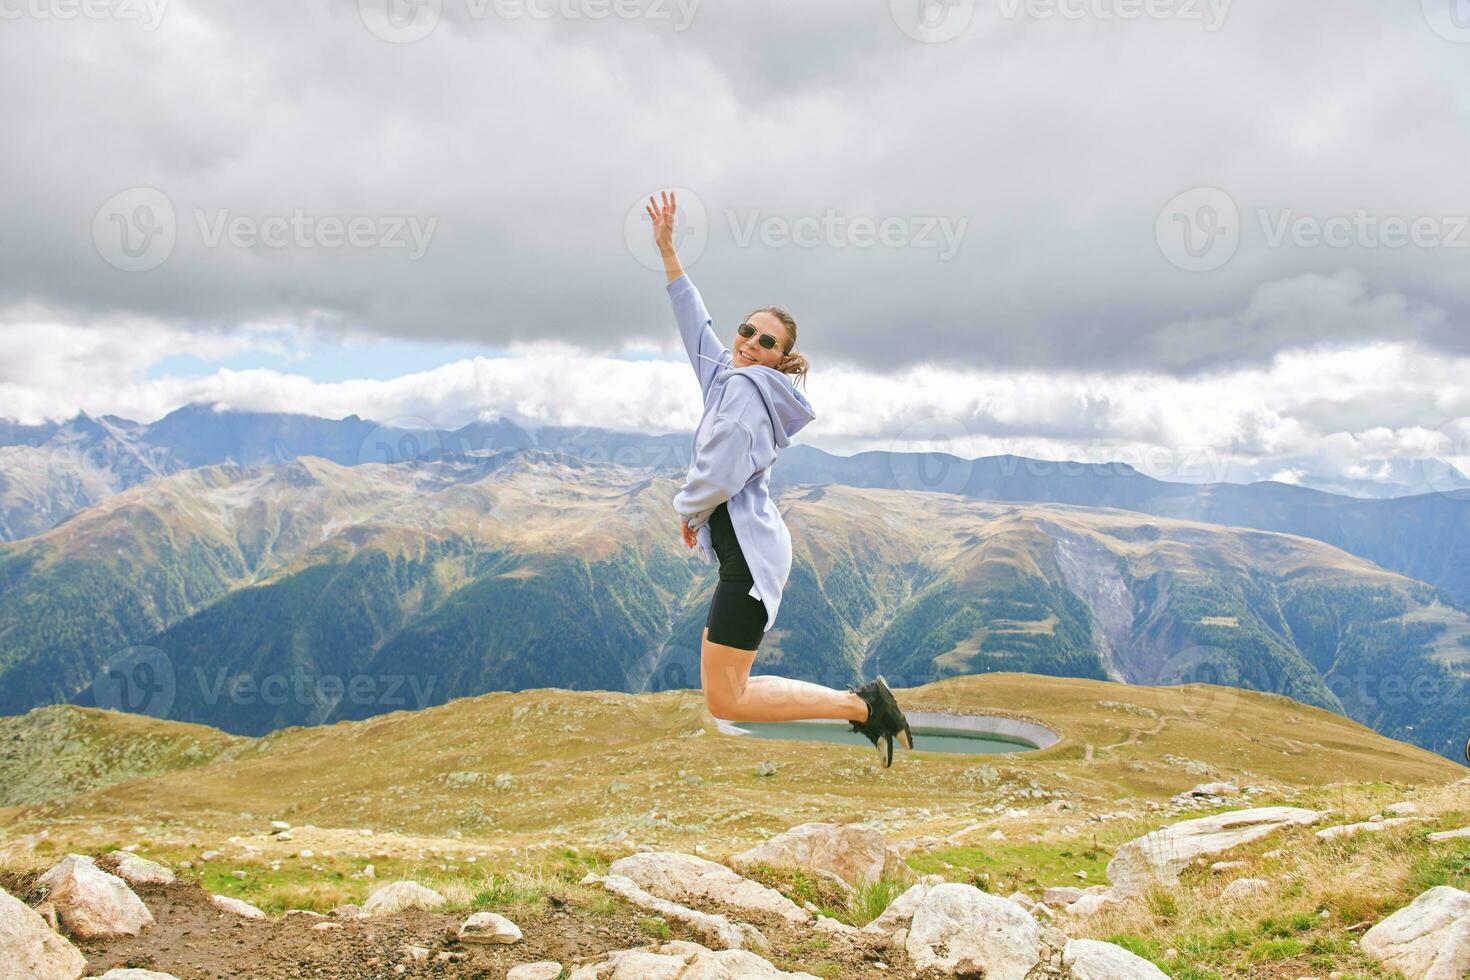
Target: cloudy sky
(1218,239)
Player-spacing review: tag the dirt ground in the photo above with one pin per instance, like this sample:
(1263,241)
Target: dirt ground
(193,940)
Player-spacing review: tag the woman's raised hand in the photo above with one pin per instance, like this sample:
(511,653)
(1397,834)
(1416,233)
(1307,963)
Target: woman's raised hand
(662,215)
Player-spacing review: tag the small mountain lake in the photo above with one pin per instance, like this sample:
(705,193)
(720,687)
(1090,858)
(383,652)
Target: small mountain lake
(933,732)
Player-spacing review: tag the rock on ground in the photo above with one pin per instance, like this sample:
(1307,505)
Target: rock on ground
(1244,888)
(1445,835)
(140,871)
(900,911)
(716,928)
(1427,940)
(683,960)
(401,895)
(855,852)
(680,877)
(489,927)
(1161,855)
(236,907)
(28,947)
(958,928)
(1089,959)
(130,974)
(542,970)
(1369,826)
(91,903)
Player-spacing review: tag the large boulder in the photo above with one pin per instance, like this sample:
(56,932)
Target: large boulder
(400,895)
(1427,940)
(91,903)
(1089,959)
(682,960)
(29,948)
(1157,858)
(855,852)
(682,877)
(900,911)
(958,928)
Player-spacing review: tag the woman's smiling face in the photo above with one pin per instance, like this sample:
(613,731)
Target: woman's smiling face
(748,350)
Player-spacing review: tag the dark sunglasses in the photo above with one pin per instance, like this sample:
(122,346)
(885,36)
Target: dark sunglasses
(767,341)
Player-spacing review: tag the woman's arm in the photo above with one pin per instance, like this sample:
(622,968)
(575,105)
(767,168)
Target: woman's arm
(663,216)
(707,355)
(725,461)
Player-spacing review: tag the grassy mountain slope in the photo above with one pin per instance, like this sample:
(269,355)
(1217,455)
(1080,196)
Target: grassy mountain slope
(564,748)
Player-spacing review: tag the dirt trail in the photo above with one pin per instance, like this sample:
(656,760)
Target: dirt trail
(195,941)
(192,940)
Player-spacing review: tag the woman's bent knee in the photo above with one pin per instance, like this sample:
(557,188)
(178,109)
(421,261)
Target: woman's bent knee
(724,671)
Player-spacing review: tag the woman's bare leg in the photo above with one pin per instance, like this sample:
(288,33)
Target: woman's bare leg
(732,694)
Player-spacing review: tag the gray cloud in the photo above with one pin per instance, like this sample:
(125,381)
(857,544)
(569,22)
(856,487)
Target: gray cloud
(527,141)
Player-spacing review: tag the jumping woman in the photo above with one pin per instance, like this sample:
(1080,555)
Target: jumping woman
(751,411)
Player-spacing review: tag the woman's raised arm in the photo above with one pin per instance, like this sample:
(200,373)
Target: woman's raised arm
(663,216)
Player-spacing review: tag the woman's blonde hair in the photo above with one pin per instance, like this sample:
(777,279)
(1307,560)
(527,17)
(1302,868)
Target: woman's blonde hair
(796,364)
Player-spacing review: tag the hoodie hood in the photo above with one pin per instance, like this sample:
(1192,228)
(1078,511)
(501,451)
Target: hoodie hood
(788,408)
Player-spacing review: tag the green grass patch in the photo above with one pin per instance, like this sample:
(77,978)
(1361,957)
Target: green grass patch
(1021,865)
(656,926)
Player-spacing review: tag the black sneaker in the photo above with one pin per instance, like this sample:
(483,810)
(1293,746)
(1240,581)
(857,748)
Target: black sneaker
(885,721)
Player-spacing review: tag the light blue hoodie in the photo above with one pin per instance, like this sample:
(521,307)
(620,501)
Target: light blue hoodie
(750,413)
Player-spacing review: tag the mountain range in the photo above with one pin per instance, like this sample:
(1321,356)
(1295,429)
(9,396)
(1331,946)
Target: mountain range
(256,597)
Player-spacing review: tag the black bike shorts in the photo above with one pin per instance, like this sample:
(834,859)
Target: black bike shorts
(736,618)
